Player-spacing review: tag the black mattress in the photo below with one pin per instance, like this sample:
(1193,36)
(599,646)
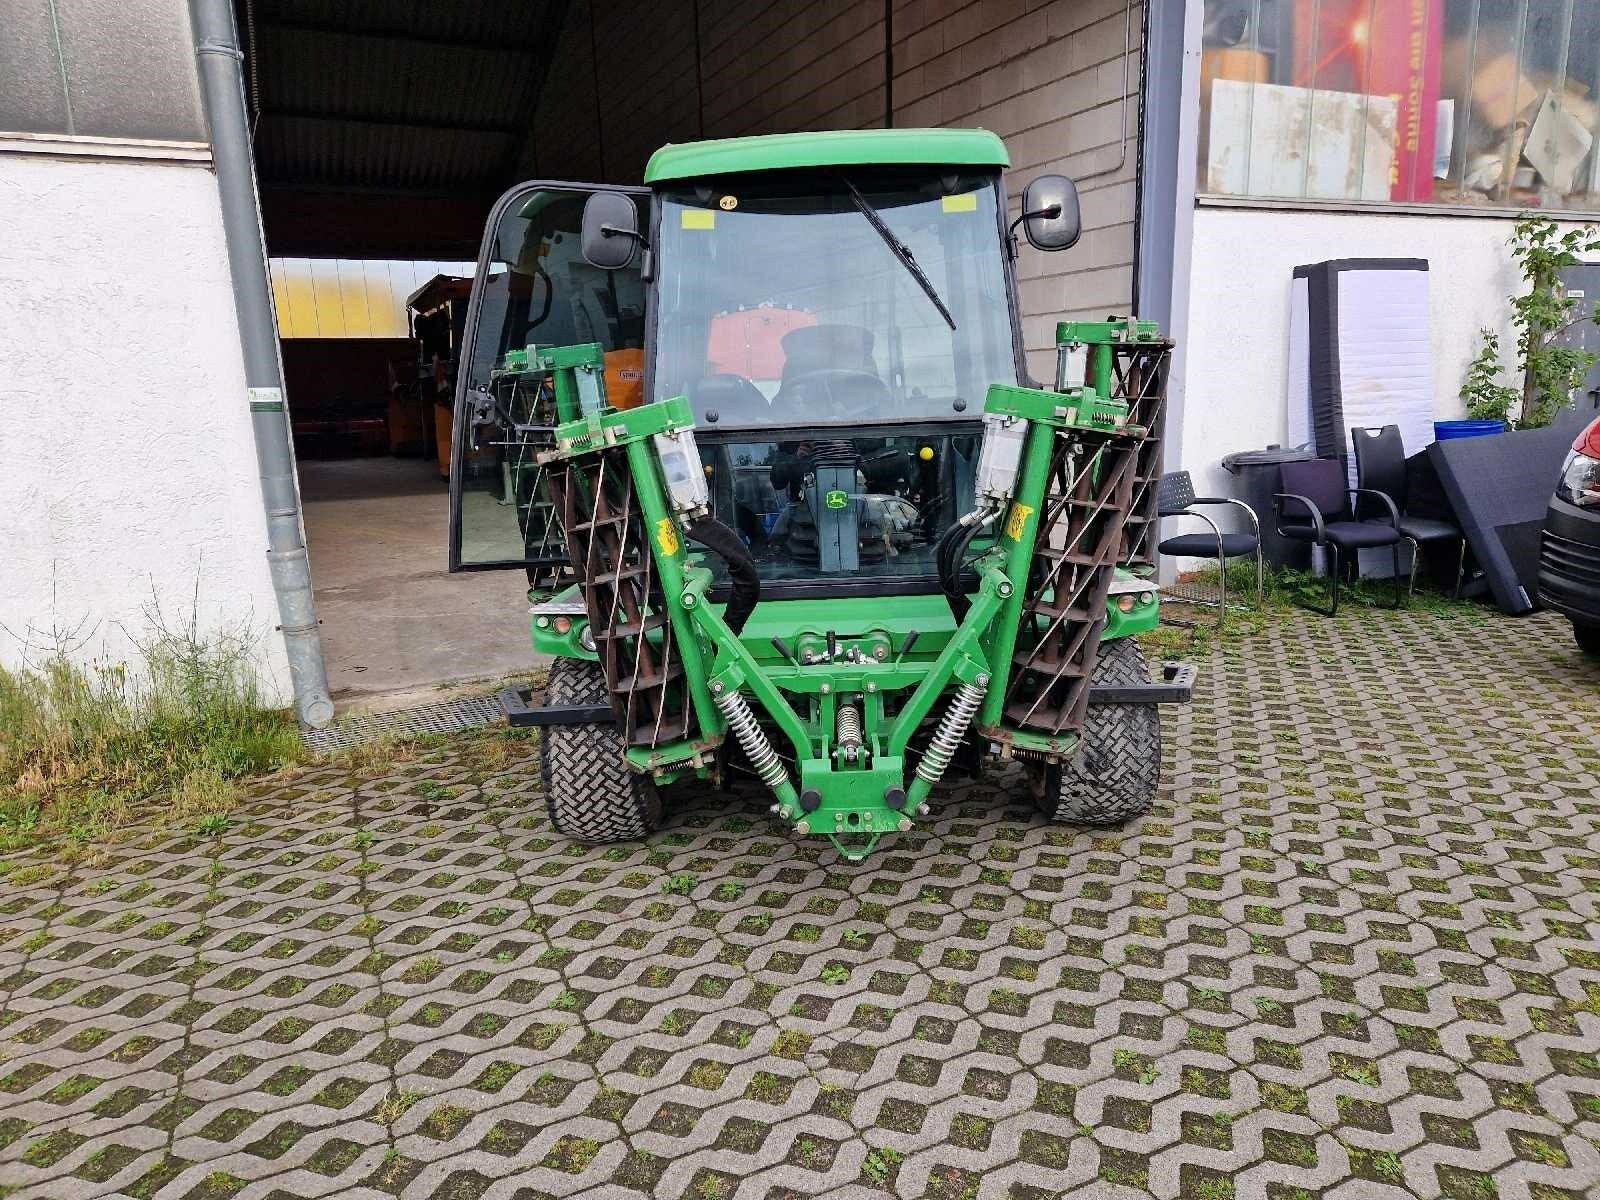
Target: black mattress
(1499,488)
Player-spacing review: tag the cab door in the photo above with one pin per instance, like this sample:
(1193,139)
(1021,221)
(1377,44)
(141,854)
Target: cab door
(533,288)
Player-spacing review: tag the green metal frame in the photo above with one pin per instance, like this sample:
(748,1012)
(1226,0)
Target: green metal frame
(895,692)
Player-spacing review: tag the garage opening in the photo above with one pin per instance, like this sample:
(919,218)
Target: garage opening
(383,134)
(386,129)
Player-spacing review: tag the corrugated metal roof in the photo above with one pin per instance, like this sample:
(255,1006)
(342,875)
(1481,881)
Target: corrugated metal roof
(403,95)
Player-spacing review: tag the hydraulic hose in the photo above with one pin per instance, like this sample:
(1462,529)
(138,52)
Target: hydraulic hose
(726,545)
(952,548)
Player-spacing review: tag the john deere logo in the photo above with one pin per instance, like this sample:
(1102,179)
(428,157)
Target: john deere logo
(836,499)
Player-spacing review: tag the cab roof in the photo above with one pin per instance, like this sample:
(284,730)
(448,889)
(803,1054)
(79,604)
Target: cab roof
(842,147)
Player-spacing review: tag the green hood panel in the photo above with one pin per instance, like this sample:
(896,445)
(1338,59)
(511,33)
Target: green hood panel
(843,147)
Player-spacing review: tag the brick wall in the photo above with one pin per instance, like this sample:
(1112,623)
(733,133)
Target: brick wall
(1048,78)
(1045,76)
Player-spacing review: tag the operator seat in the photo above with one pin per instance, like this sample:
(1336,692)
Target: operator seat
(829,372)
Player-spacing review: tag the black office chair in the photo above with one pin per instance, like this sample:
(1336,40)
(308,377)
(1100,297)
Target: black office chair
(1381,467)
(1315,506)
(1176,498)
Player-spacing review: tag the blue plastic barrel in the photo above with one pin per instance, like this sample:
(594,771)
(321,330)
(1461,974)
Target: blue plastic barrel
(1444,431)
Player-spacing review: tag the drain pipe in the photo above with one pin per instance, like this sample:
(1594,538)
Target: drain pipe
(222,91)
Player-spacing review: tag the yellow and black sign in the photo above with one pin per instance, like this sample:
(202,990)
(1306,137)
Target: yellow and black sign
(1018,520)
(667,536)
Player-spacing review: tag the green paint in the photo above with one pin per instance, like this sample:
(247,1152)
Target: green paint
(833,148)
(795,690)
(670,562)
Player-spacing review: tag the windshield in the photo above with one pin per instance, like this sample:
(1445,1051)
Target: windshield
(781,305)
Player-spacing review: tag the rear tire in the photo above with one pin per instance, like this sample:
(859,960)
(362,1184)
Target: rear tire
(1113,776)
(1588,638)
(590,791)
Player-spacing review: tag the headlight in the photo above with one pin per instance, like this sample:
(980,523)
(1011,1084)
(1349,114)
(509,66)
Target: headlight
(1580,480)
(586,638)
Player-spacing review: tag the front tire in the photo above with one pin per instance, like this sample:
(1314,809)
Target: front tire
(1588,638)
(1114,774)
(590,791)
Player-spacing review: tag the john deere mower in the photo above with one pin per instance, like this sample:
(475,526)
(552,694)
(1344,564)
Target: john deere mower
(763,437)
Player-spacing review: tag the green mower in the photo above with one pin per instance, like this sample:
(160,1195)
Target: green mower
(763,437)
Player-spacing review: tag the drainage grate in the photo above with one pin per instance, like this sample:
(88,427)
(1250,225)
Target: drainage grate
(446,716)
(1191,592)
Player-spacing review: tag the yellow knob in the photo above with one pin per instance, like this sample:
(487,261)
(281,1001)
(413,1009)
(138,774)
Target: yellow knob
(708,468)
(926,454)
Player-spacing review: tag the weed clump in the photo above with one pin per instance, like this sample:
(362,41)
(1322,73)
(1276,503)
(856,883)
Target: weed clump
(85,749)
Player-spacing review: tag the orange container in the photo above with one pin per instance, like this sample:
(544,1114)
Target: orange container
(444,422)
(624,374)
(407,434)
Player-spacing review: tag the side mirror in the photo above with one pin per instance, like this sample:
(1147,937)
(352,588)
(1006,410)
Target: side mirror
(1050,217)
(610,229)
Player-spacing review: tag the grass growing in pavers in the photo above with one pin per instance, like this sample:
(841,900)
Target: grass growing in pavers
(88,750)
(1338,867)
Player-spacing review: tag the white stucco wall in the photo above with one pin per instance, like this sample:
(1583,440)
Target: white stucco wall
(129,467)
(1236,369)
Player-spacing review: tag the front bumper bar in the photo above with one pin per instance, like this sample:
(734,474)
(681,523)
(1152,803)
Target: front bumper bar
(517,704)
(1175,686)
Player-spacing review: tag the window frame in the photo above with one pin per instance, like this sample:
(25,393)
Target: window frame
(458,432)
(1310,10)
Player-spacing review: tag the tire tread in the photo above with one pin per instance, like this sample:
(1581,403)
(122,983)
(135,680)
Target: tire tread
(1113,777)
(590,793)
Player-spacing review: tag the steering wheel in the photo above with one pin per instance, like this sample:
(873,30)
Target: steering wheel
(836,393)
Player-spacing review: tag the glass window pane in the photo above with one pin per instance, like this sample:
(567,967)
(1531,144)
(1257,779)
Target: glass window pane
(784,298)
(1468,102)
(131,68)
(33,98)
(1238,54)
(861,507)
(1558,124)
(536,290)
(1582,99)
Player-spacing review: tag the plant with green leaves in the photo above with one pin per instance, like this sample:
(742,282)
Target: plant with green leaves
(1486,398)
(88,745)
(1552,371)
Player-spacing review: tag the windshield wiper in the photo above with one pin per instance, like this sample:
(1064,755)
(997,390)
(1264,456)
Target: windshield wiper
(901,251)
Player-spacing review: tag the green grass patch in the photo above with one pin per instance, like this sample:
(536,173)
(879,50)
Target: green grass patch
(1283,590)
(87,749)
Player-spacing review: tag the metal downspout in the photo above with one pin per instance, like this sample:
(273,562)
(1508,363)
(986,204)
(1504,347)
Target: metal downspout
(222,91)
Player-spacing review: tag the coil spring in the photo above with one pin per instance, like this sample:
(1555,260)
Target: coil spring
(849,732)
(736,710)
(947,737)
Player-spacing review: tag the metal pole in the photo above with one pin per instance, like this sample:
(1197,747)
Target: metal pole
(222,90)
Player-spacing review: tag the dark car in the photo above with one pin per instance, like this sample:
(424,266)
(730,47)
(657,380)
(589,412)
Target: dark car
(1569,551)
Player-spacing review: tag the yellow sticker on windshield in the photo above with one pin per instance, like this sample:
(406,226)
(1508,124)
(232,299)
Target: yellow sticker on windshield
(1017,520)
(965,202)
(699,218)
(667,536)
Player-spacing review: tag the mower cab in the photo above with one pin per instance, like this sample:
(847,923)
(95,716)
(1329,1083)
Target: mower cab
(763,438)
